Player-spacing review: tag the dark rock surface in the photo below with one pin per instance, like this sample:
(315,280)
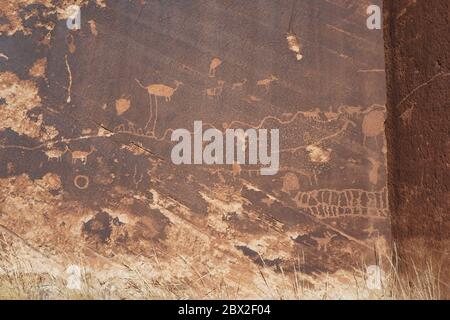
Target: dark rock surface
(418,130)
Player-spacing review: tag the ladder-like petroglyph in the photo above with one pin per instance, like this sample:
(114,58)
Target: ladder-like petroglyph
(328,203)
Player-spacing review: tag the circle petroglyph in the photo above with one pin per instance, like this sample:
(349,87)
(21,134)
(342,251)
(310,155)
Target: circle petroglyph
(81,182)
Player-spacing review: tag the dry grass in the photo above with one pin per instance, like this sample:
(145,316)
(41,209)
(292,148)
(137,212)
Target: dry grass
(20,280)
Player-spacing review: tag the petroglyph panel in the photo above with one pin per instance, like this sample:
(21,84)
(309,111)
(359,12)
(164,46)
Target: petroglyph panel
(86,118)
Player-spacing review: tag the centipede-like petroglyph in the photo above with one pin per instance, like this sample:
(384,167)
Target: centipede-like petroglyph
(332,203)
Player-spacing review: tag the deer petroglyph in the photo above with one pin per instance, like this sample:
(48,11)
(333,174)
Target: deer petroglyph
(406,116)
(158,90)
(265,83)
(161,90)
(81,155)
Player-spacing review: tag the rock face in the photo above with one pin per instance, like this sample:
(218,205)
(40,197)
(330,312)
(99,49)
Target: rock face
(86,118)
(418,62)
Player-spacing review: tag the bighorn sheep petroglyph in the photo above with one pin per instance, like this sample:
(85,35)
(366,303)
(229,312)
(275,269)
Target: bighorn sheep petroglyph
(56,154)
(215,63)
(216,91)
(239,85)
(82,155)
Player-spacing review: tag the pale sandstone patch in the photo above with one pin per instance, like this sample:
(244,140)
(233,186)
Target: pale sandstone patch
(38,69)
(122,105)
(50,181)
(49,132)
(20,97)
(12,11)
